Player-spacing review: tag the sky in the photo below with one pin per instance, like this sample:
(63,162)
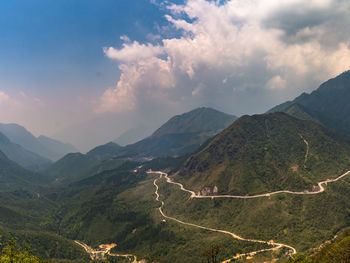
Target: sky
(85,71)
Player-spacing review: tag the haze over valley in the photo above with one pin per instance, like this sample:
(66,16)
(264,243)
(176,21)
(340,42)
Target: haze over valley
(175,131)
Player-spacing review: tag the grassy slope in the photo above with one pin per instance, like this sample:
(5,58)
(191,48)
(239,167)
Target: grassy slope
(264,153)
(109,212)
(301,221)
(24,215)
(181,134)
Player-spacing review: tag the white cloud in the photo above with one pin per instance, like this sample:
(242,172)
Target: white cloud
(267,45)
(131,52)
(3,97)
(276,83)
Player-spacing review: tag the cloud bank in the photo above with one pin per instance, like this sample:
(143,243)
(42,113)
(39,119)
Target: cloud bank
(232,51)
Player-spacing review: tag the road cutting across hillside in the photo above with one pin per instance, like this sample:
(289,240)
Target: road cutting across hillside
(320,187)
(233,235)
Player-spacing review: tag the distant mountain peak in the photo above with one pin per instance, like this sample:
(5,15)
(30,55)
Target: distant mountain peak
(43,145)
(264,153)
(197,120)
(329,104)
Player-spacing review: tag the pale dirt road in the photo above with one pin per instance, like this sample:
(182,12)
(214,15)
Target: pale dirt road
(194,195)
(233,235)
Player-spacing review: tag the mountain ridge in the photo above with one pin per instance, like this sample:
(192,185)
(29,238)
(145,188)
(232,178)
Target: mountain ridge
(263,153)
(23,157)
(43,145)
(328,103)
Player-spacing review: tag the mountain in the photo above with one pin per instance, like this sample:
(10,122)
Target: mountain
(57,148)
(265,153)
(200,120)
(105,151)
(13,176)
(329,104)
(69,166)
(43,146)
(18,154)
(335,250)
(181,134)
(134,135)
(300,112)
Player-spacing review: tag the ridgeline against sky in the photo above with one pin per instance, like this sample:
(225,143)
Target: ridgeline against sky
(86,71)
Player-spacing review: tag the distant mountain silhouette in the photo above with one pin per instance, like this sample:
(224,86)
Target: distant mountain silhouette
(43,146)
(265,153)
(23,157)
(329,104)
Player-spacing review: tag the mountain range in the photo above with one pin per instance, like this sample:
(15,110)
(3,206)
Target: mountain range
(23,157)
(43,146)
(13,176)
(106,195)
(329,104)
(180,135)
(265,153)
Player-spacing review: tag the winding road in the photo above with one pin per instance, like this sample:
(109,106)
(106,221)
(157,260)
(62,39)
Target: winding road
(194,195)
(233,235)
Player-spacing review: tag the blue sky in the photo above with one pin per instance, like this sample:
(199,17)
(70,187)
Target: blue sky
(49,46)
(85,71)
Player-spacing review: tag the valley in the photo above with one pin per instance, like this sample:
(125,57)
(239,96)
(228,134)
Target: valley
(235,236)
(266,187)
(175,131)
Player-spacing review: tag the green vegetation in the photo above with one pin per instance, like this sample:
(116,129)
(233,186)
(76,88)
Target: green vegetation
(182,134)
(300,112)
(332,252)
(10,252)
(119,206)
(65,169)
(101,199)
(105,151)
(338,252)
(265,153)
(23,157)
(303,221)
(13,176)
(196,121)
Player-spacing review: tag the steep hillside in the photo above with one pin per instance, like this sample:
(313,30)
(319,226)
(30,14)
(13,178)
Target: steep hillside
(329,104)
(68,167)
(264,153)
(134,135)
(300,112)
(336,250)
(23,157)
(43,146)
(105,151)
(13,176)
(119,206)
(200,120)
(182,134)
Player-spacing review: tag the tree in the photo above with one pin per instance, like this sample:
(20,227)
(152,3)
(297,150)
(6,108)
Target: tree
(212,253)
(11,252)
